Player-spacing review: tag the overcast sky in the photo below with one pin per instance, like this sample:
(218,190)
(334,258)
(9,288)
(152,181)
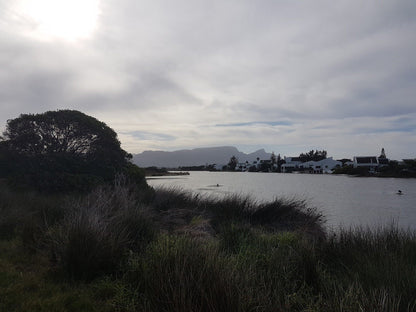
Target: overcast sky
(288,76)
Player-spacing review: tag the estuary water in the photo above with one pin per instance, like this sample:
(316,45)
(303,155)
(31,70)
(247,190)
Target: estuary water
(343,200)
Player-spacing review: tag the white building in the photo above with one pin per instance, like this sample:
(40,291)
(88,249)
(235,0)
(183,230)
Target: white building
(370,162)
(322,166)
(326,165)
(291,164)
(365,161)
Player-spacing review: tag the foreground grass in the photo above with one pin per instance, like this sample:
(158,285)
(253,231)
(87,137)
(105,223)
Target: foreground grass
(114,251)
(27,284)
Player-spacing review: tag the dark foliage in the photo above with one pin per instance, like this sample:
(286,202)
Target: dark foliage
(313,155)
(60,151)
(232,163)
(407,169)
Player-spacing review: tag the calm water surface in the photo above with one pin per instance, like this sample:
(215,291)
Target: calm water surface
(343,200)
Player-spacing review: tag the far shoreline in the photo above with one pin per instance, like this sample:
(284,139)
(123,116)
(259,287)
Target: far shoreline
(162,172)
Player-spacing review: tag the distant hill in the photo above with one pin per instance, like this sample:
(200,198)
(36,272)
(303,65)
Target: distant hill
(195,157)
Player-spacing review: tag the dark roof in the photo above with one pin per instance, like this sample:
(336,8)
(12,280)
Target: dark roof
(295,158)
(366,160)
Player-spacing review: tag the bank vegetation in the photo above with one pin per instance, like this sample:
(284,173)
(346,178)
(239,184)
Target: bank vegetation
(121,248)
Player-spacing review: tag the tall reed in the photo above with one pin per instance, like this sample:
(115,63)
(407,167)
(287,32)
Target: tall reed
(98,231)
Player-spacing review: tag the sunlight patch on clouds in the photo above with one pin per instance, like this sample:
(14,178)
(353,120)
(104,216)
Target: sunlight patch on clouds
(56,19)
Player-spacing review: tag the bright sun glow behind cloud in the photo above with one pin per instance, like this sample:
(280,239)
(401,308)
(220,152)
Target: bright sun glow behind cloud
(60,19)
(288,76)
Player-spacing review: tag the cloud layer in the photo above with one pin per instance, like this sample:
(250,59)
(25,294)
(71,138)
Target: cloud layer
(285,75)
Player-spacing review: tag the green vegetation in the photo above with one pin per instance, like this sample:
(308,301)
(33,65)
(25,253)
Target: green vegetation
(62,151)
(394,169)
(120,248)
(406,169)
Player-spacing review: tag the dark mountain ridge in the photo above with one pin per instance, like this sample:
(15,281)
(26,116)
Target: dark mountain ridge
(195,157)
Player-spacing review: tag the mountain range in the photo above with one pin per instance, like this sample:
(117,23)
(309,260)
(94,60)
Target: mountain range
(195,157)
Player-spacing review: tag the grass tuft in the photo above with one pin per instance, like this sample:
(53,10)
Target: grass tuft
(97,233)
(181,274)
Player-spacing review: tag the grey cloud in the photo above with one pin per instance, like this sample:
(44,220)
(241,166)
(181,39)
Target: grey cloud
(269,123)
(27,87)
(143,135)
(235,64)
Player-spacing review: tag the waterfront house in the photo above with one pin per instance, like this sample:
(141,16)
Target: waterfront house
(370,162)
(322,166)
(291,164)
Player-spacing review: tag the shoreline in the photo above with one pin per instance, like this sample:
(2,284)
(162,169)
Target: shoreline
(156,172)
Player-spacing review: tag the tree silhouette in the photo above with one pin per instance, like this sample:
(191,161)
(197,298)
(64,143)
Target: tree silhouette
(313,155)
(273,158)
(233,163)
(61,150)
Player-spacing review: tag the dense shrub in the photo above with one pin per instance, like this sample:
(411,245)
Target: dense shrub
(62,151)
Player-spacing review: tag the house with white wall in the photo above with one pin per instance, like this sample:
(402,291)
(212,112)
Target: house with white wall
(370,162)
(291,164)
(326,165)
(322,166)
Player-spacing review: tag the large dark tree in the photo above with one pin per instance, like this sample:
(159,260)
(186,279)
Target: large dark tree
(59,150)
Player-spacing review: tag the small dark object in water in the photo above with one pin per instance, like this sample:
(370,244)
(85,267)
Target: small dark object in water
(218,185)
(399,192)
